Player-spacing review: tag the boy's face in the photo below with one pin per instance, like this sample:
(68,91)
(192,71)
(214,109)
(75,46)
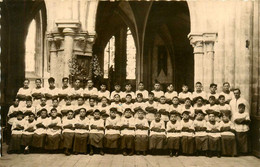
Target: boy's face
(198,87)
(128,88)
(175,101)
(68,101)
(82,112)
(65,82)
(38,83)
(16,102)
(54,113)
(128,99)
(157,86)
(185,116)
(104,101)
(51,84)
(170,88)
(28,103)
(162,100)
(140,114)
(90,84)
(226,87)
(70,115)
(173,117)
(26,83)
(199,101)
(157,117)
(44,114)
(225,118)
(96,115)
(117,88)
(213,89)
(55,103)
(187,102)
(112,114)
(80,101)
(241,109)
(222,100)
(20,116)
(211,101)
(92,102)
(128,113)
(77,83)
(150,97)
(43,101)
(117,98)
(200,116)
(185,88)
(212,117)
(103,87)
(139,98)
(141,86)
(31,118)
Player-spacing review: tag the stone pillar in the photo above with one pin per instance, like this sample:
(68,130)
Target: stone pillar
(197,43)
(203,44)
(208,59)
(68,49)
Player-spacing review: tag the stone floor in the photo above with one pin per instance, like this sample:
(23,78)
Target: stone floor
(108,160)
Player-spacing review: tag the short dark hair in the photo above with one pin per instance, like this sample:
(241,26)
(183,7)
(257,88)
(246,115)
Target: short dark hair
(51,79)
(38,79)
(213,84)
(65,78)
(226,83)
(198,83)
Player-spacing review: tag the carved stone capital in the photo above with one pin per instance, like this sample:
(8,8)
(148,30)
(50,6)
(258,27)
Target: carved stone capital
(55,41)
(209,41)
(196,40)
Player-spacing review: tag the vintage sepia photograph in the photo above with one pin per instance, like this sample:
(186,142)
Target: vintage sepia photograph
(135,83)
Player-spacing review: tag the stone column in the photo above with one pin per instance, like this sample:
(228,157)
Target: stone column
(197,43)
(68,49)
(208,59)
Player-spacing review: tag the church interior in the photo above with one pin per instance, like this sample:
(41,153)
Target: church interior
(178,42)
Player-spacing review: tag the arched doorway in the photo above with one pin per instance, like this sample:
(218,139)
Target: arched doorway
(167,49)
(159,29)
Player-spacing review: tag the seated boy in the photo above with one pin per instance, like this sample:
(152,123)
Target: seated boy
(187,106)
(81,132)
(170,93)
(65,108)
(142,91)
(76,92)
(96,134)
(24,92)
(141,132)
(199,92)
(39,135)
(128,90)
(201,137)
(212,107)
(90,91)
(184,94)
(17,130)
(103,92)
(68,132)
(138,104)
(164,109)
(104,108)
(37,92)
(11,117)
(117,91)
(41,106)
(53,136)
(51,91)
(187,132)
(151,107)
(176,107)
(90,107)
(228,138)
(173,134)
(213,130)
(118,105)
(112,131)
(28,109)
(64,91)
(241,125)
(157,91)
(29,128)
(127,132)
(157,139)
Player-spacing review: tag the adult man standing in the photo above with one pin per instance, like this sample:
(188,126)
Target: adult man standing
(238,100)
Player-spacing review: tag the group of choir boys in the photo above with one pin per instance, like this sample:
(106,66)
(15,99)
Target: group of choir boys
(87,120)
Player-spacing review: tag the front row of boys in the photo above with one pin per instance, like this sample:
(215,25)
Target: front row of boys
(131,134)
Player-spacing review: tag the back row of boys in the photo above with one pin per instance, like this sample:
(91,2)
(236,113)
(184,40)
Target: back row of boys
(67,98)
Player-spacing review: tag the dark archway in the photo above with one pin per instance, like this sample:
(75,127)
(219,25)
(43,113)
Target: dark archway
(166,33)
(16,17)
